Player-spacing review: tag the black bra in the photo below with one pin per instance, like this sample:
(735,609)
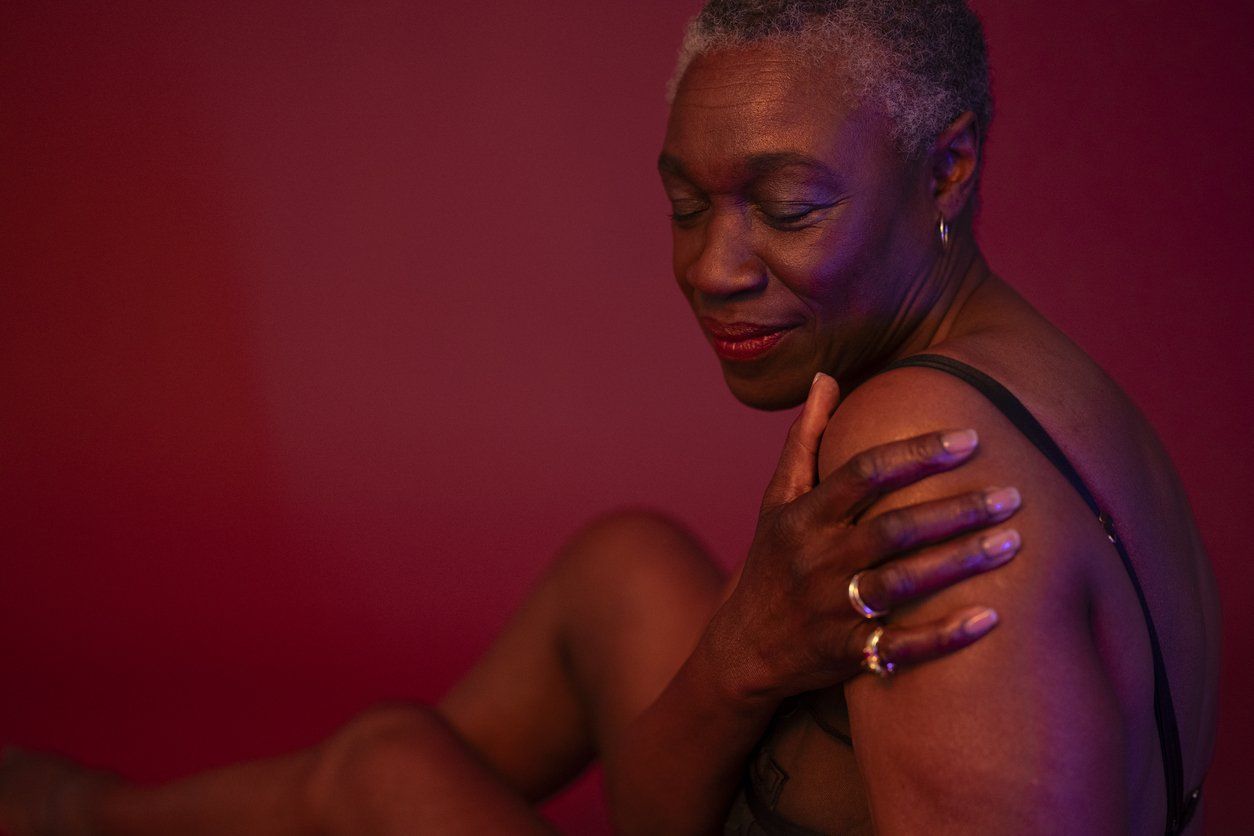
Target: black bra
(1180,807)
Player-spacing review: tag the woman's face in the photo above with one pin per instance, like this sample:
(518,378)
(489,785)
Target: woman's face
(802,237)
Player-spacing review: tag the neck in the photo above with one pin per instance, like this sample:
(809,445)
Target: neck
(967,271)
(936,304)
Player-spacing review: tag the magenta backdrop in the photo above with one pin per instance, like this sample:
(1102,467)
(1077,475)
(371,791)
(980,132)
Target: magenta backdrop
(323,325)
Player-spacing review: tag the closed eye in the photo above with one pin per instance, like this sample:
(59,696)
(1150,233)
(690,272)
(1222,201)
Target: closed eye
(686,211)
(790,215)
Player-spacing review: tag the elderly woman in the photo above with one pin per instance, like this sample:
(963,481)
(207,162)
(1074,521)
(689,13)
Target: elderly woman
(822,160)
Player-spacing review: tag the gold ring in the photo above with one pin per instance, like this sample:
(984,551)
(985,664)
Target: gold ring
(860,606)
(871,659)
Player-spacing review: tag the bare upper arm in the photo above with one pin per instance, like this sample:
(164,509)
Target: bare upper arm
(1020,732)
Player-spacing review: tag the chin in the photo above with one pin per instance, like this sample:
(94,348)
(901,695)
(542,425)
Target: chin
(767,392)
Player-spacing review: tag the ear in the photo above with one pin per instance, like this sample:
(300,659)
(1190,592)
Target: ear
(954,162)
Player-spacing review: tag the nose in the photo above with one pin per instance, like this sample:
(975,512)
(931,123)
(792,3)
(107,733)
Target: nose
(725,263)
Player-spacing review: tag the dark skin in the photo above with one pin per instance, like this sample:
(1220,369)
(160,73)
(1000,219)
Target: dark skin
(784,628)
(795,208)
(612,627)
(1047,726)
(577,670)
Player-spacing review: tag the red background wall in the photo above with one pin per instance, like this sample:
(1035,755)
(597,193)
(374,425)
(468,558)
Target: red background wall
(322,326)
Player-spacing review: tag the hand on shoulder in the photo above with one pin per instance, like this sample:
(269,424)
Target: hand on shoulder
(1026,716)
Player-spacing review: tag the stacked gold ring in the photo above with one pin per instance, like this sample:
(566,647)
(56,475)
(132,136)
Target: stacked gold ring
(872,661)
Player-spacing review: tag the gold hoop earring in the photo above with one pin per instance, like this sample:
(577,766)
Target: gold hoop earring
(943,227)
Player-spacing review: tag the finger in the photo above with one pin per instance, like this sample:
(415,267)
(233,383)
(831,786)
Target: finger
(906,579)
(854,487)
(920,643)
(903,529)
(797,471)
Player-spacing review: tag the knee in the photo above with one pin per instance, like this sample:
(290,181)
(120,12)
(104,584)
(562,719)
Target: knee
(366,756)
(636,552)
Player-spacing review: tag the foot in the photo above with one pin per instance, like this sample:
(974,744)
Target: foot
(44,795)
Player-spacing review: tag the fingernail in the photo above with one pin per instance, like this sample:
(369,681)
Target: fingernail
(980,623)
(1000,546)
(816,379)
(1001,500)
(959,442)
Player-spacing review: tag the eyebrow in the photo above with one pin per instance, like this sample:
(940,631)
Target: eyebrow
(668,164)
(760,164)
(757,166)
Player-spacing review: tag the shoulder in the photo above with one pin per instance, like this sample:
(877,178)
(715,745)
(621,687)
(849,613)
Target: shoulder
(1034,683)
(907,401)
(910,401)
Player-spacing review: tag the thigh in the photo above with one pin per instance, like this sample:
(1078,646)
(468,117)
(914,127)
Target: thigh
(596,642)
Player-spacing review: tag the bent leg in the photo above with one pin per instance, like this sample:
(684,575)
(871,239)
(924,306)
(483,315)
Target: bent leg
(391,770)
(607,627)
(596,642)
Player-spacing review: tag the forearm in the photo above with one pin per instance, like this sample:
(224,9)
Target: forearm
(682,760)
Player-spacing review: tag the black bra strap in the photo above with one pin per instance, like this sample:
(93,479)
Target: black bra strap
(1013,409)
(1179,808)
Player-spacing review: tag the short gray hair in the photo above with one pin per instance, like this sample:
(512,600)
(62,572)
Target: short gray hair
(922,63)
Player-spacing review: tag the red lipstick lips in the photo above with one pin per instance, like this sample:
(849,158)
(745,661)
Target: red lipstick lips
(743,341)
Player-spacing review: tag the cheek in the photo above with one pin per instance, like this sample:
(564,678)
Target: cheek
(822,268)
